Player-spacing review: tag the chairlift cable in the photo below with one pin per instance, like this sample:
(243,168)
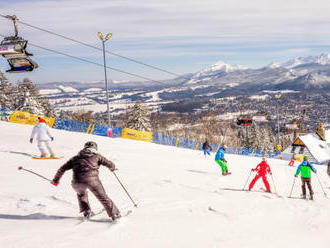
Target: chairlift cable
(91,62)
(94,47)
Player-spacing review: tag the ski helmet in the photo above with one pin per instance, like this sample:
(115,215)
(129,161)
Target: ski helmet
(224,147)
(91,144)
(41,120)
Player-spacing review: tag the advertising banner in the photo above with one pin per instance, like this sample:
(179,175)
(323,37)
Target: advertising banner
(29,119)
(136,135)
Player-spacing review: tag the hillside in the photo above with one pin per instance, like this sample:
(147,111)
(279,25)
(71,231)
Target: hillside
(180,196)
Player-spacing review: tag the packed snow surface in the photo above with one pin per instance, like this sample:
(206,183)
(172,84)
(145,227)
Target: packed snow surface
(181,197)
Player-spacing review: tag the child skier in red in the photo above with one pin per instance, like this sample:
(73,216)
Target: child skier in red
(262,170)
(292,160)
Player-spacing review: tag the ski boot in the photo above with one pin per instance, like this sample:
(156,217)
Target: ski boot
(88,213)
(115,217)
(268,191)
(303,196)
(311,197)
(43,155)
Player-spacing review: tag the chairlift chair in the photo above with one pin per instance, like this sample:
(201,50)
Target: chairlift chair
(244,120)
(13,48)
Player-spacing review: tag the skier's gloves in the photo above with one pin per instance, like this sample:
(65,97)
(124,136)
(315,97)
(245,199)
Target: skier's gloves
(31,140)
(52,138)
(54,183)
(295,175)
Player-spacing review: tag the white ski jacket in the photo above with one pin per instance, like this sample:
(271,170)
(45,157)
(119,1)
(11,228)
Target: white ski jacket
(42,131)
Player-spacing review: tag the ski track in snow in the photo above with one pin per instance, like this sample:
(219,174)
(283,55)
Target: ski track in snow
(183,200)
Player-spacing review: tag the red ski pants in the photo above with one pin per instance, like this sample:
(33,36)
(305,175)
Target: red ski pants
(264,179)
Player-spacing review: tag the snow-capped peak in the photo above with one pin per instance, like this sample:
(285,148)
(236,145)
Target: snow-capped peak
(274,65)
(322,59)
(221,66)
(215,69)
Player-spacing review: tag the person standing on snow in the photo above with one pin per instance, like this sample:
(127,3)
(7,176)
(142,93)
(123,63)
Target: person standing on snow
(305,168)
(292,159)
(262,169)
(220,159)
(206,148)
(43,135)
(85,168)
(328,170)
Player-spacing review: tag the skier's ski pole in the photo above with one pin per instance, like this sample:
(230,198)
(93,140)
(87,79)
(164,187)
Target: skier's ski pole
(273,183)
(321,185)
(294,180)
(247,179)
(135,205)
(21,168)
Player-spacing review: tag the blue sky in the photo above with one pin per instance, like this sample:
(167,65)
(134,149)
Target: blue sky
(179,36)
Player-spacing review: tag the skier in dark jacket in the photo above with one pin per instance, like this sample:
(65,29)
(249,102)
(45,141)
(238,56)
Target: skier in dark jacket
(85,168)
(305,168)
(206,148)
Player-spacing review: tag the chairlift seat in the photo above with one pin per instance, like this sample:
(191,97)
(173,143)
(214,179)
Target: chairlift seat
(20,69)
(21,65)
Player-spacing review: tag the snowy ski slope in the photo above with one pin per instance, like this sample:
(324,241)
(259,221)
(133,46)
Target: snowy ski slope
(180,197)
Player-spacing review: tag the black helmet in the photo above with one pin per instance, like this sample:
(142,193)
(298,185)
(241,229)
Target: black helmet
(91,144)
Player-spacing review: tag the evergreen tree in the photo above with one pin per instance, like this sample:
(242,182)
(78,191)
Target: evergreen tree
(138,117)
(268,139)
(6,93)
(247,138)
(28,99)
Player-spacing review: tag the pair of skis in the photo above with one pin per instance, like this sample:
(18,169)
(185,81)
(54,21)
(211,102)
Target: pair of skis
(45,178)
(105,220)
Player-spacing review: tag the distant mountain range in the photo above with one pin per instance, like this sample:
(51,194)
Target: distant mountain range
(305,74)
(301,73)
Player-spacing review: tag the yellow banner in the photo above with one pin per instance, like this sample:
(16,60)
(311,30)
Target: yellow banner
(29,119)
(136,135)
(298,157)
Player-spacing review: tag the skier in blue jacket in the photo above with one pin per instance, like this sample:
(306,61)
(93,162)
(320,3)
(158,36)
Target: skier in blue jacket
(220,159)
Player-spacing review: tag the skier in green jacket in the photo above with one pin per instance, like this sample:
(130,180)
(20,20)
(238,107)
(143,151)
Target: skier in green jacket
(305,168)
